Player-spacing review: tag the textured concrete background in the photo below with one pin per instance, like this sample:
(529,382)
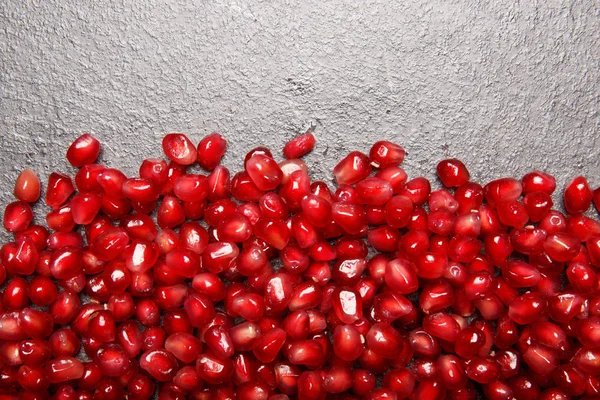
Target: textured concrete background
(507,86)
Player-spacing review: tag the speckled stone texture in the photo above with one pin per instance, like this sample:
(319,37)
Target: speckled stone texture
(506,86)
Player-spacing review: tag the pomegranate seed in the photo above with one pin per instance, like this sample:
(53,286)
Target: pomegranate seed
(310,385)
(451,372)
(179,148)
(84,150)
(374,191)
(578,196)
(384,340)
(337,379)
(520,274)
(562,247)
(27,186)
(353,168)
(218,183)
(540,359)
(396,176)
(269,344)
(15,294)
(385,154)
(210,151)
(537,205)
(213,369)
(348,343)
(442,326)
(112,360)
(243,188)
(299,146)
(249,306)
(17,216)
(582,278)
(537,181)
(191,188)
(59,189)
(183,346)
(63,369)
(308,353)
(452,172)
(199,309)
(417,190)
(271,205)
(160,364)
(41,291)
(527,308)
(504,189)
(264,172)
(512,213)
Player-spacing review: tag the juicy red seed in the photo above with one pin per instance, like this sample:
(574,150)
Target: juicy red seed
(210,151)
(537,205)
(417,190)
(84,150)
(214,369)
(17,216)
(235,228)
(299,146)
(191,188)
(110,244)
(353,168)
(264,172)
(578,196)
(139,190)
(512,213)
(384,340)
(537,181)
(504,189)
(170,213)
(85,207)
(179,148)
(160,364)
(27,186)
(527,308)
(452,172)
(386,154)
(562,247)
(59,188)
(374,191)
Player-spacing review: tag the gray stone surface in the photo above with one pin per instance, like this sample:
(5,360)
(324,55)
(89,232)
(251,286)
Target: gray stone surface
(506,86)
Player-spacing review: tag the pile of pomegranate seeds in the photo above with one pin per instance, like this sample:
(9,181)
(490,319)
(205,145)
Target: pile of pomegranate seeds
(261,285)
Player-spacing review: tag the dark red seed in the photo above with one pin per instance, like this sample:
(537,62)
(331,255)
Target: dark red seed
(210,151)
(299,146)
(452,172)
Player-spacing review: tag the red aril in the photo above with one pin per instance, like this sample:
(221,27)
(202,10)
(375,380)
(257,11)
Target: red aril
(179,148)
(353,168)
(299,146)
(538,181)
(59,189)
(17,216)
(452,172)
(264,172)
(504,189)
(27,186)
(210,151)
(578,196)
(84,150)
